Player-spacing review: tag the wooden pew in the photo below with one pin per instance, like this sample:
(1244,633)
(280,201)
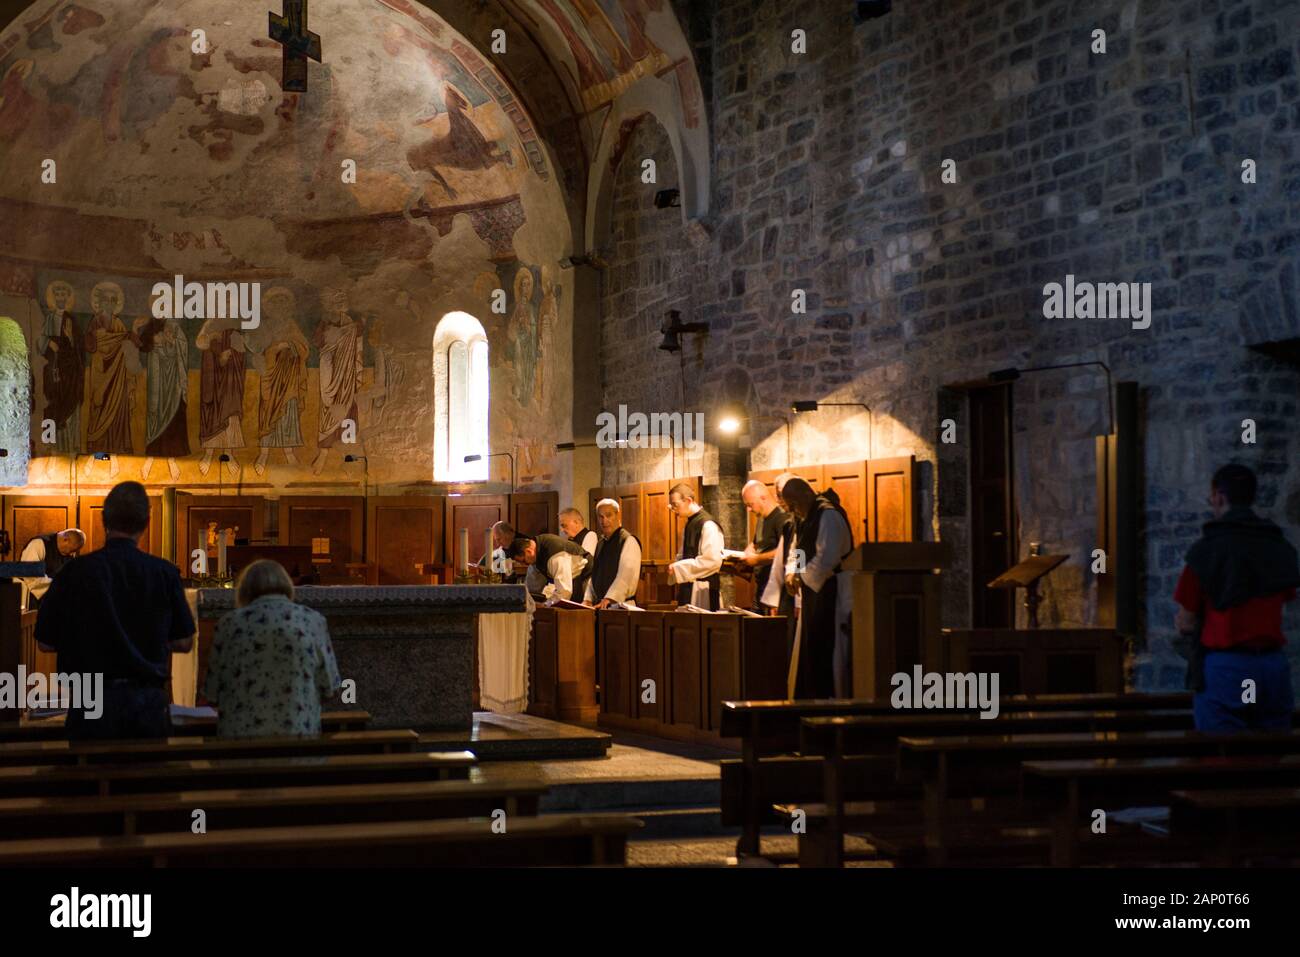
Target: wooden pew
(264,807)
(767,728)
(105,779)
(861,758)
(52,728)
(14,754)
(987,768)
(1075,788)
(552,840)
(1235,827)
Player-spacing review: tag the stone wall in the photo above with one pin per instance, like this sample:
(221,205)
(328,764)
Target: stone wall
(1123,166)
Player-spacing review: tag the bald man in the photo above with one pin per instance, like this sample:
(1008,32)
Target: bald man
(575,529)
(823,539)
(54,551)
(503,533)
(760,553)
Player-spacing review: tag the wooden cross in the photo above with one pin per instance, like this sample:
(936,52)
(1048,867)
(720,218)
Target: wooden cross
(291,32)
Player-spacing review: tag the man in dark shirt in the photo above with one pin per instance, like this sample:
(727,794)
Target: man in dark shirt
(119,612)
(1230,597)
(761,551)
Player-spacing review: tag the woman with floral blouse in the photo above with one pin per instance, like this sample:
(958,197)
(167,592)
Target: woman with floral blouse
(271,661)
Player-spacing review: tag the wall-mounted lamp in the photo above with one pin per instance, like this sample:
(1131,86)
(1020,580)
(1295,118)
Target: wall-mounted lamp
(1012,374)
(570,446)
(4,453)
(810,405)
(493,455)
(673,328)
(668,199)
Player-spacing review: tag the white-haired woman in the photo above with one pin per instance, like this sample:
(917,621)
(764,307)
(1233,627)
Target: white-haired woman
(271,661)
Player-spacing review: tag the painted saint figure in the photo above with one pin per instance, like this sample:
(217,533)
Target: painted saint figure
(522,347)
(63,378)
(340,341)
(283,392)
(221,391)
(548,316)
(108,421)
(462,147)
(165,353)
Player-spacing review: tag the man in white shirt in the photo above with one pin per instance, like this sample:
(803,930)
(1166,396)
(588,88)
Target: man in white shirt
(557,567)
(695,573)
(616,570)
(824,540)
(53,551)
(575,530)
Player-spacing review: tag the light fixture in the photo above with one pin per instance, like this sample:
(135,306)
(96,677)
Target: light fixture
(493,455)
(1012,374)
(729,425)
(570,446)
(864,10)
(813,406)
(673,328)
(668,199)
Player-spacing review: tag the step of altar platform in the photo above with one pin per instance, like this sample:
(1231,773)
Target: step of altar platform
(520,737)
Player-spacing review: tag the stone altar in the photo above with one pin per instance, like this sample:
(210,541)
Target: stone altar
(409,648)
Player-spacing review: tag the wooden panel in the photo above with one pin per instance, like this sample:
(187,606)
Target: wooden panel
(648,643)
(194,512)
(614,638)
(890,504)
(90,519)
(336,517)
(687,666)
(403,530)
(850,483)
(534,513)
(27,516)
(543,667)
(722,648)
(478,513)
(659,544)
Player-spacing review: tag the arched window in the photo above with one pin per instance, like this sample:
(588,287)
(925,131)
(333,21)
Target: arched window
(460,386)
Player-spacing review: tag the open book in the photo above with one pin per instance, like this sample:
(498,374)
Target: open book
(732,553)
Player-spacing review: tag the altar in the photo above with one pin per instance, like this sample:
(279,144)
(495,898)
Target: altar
(408,648)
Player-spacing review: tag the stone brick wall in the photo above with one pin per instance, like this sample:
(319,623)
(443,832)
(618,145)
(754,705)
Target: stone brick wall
(1116,167)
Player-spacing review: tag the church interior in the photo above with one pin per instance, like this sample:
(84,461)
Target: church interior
(453,310)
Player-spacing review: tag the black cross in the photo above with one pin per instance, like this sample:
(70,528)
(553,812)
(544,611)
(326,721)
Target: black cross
(291,32)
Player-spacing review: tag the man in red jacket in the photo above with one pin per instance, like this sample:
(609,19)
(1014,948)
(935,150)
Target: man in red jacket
(1237,577)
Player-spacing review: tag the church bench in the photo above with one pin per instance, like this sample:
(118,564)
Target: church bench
(188,748)
(1073,789)
(1234,827)
(264,807)
(751,786)
(551,840)
(987,769)
(104,779)
(52,727)
(841,741)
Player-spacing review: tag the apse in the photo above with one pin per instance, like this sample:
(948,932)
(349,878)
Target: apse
(156,144)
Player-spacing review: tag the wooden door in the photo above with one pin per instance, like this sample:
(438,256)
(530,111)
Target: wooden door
(534,513)
(402,531)
(27,516)
(889,500)
(307,519)
(992,532)
(90,519)
(478,513)
(245,513)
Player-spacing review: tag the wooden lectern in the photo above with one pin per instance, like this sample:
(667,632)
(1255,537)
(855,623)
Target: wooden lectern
(895,611)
